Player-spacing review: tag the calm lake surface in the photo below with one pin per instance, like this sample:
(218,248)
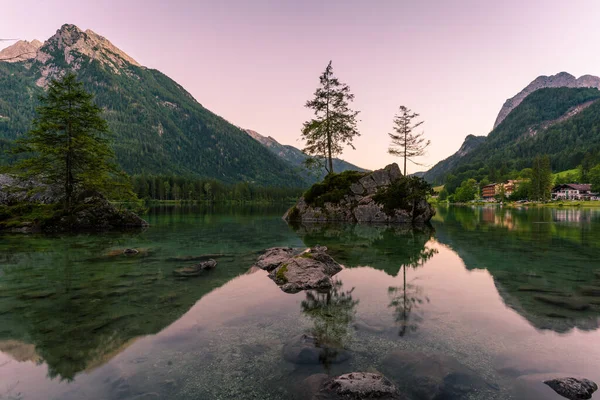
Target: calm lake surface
(507,293)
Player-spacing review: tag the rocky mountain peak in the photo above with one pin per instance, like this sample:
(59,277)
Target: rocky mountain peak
(562,79)
(22,50)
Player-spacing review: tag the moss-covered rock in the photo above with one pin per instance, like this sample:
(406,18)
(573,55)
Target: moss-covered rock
(382,196)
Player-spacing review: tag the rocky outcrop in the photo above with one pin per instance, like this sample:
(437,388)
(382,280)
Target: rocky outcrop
(293,272)
(13,191)
(360,203)
(573,389)
(70,42)
(94,213)
(561,79)
(351,386)
(20,51)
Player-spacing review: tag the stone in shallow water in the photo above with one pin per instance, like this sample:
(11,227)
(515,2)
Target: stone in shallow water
(304,349)
(433,376)
(312,269)
(274,257)
(195,270)
(352,386)
(573,389)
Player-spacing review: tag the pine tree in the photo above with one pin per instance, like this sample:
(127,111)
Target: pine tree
(405,143)
(541,179)
(69,145)
(335,122)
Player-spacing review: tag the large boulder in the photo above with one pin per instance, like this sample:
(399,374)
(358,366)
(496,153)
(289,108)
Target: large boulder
(13,191)
(351,386)
(433,376)
(354,198)
(294,271)
(552,386)
(573,388)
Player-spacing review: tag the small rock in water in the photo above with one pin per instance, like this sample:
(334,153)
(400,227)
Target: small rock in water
(195,270)
(355,386)
(130,252)
(573,389)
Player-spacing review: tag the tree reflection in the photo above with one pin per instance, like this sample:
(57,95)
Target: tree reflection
(332,312)
(406,299)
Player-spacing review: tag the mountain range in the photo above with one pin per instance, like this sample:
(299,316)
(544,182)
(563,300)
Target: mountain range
(159,127)
(558,115)
(296,158)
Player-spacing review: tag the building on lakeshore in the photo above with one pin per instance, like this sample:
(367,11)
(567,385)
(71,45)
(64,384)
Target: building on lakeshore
(488,192)
(493,190)
(574,191)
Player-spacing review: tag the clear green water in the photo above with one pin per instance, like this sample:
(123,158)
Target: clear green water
(506,292)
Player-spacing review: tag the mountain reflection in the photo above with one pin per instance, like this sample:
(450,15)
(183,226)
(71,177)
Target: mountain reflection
(544,261)
(73,303)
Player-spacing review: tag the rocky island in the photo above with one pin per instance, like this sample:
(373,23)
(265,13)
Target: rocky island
(381,196)
(27,207)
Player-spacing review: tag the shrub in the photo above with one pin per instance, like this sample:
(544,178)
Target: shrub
(333,188)
(402,194)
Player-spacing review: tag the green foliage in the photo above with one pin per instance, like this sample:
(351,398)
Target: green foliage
(294,214)
(159,127)
(443,194)
(402,194)
(406,143)
(15,215)
(334,124)
(280,275)
(522,191)
(466,192)
(333,188)
(594,177)
(69,144)
(178,188)
(532,129)
(541,180)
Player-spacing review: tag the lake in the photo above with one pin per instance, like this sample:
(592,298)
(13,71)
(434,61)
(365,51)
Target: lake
(498,295)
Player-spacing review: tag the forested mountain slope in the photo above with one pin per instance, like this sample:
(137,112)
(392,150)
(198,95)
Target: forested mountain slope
(159,127)
(296,158)
(561,122)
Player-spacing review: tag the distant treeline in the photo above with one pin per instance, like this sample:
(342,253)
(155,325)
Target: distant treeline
(165,187)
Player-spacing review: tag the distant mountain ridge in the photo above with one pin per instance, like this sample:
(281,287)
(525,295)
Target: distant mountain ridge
(529,127)
(563,123)
(562,79)
(159,127)
(441,168)
(296,157)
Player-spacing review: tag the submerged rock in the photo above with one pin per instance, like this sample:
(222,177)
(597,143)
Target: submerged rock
(355,199)
(352,386)
(195,270)
(305,349)
(433,376)
(293,272)
(573,389)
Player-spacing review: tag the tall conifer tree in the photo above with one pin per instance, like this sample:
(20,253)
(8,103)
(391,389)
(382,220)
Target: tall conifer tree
(406,143)
(335,122)
(69,144)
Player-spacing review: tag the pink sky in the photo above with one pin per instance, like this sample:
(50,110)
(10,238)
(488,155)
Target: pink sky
(256,62)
